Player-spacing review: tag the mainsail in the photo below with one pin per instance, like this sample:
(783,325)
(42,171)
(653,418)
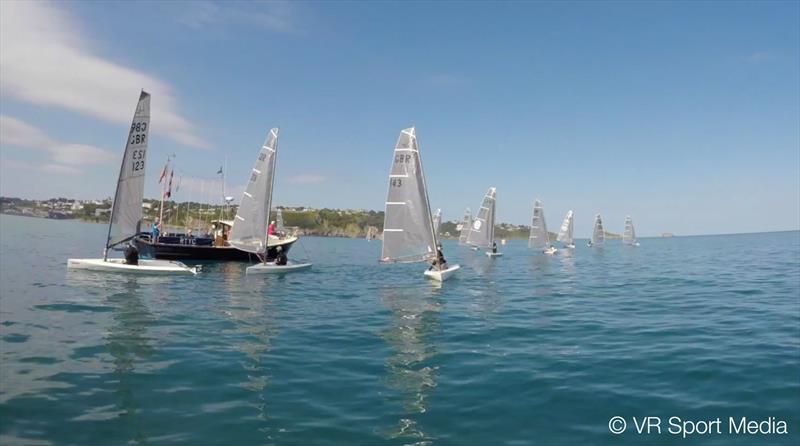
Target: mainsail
(279,221)
(565,233)
(466,224)
(598,234)
(481,233)
(629,236)
(408,234)
(249,232)
(437,221)
(539,237)
(126,210)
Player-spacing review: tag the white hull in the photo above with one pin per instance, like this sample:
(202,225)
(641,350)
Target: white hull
(119,266)
(570,246)
(272,268)
(551,250)
(475,248)
(493,254)
(442,275)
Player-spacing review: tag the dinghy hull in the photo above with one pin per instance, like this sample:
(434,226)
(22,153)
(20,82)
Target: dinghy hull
(272,268)
(494,254)
(149,267)
(442,275)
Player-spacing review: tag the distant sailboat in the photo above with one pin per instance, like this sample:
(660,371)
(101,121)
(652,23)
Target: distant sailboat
(437,221)
(279,227)
(249,232)
(565,233)
(126,210)
(481,233)
(540,238)
(629,236)
(598,233)
(466,223)
(408,234)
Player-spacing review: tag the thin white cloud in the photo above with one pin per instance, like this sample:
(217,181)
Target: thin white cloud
(45,60)
(63,156)
(307,179)
(448,80)
(273,16)
(760,57)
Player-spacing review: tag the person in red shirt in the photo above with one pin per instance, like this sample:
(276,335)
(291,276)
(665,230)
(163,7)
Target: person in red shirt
(271,228)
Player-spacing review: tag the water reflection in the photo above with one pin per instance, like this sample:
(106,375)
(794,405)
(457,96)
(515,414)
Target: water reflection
(411,369)
(252,311)
(128,343)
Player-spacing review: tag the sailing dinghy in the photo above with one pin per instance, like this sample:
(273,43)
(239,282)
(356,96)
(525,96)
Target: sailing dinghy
(629,236)
(126,210)
(466,223)
(437,220)
(408,234)
(598,233)
(565,233)
(540,238)
(249,232)
(481,233)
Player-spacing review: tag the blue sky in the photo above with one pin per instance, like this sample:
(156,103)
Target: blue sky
(685,115)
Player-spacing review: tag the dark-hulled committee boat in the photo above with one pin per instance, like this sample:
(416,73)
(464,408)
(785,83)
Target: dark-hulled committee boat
(210,246)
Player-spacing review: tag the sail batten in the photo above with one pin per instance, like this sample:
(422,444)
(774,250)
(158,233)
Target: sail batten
(539,237)
(410,236)
(249,233)
(481,232)
(126,209)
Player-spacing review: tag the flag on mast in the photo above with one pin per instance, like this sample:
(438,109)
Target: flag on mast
(169,189)
(163,172)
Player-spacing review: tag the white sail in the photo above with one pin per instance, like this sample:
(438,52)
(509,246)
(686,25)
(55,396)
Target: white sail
(466,223)
(629,236)
(539,237)
(279,221)
(126,210)
(565,233)
(437,221)
(408,234)
(481,233)
(598,233)
(249,232)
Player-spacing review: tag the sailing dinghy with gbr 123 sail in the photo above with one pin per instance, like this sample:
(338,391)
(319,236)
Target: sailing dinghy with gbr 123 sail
(126,210)
(408,230)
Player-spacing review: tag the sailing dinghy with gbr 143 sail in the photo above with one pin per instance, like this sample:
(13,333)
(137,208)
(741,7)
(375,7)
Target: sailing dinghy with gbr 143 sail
(126,210)
(408,230)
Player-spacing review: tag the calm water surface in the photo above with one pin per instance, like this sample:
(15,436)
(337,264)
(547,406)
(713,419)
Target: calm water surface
(524,349)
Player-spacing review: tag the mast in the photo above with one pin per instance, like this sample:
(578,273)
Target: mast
(268,197)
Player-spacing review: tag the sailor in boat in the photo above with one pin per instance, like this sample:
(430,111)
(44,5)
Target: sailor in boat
(155,230)
(131,255)
(494,247)
(280,257)
(271,228)
(439,262)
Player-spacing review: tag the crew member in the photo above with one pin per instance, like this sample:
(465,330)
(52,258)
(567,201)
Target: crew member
(494,247)
(280,257)
(439,262)
(131,255)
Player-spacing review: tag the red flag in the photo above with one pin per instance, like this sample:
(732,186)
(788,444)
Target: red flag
(169,189)
(163,173)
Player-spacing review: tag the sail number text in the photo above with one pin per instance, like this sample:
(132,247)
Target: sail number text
(399,158)
(138,133)
(138,136)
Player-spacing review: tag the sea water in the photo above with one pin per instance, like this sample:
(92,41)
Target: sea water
(522,349)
